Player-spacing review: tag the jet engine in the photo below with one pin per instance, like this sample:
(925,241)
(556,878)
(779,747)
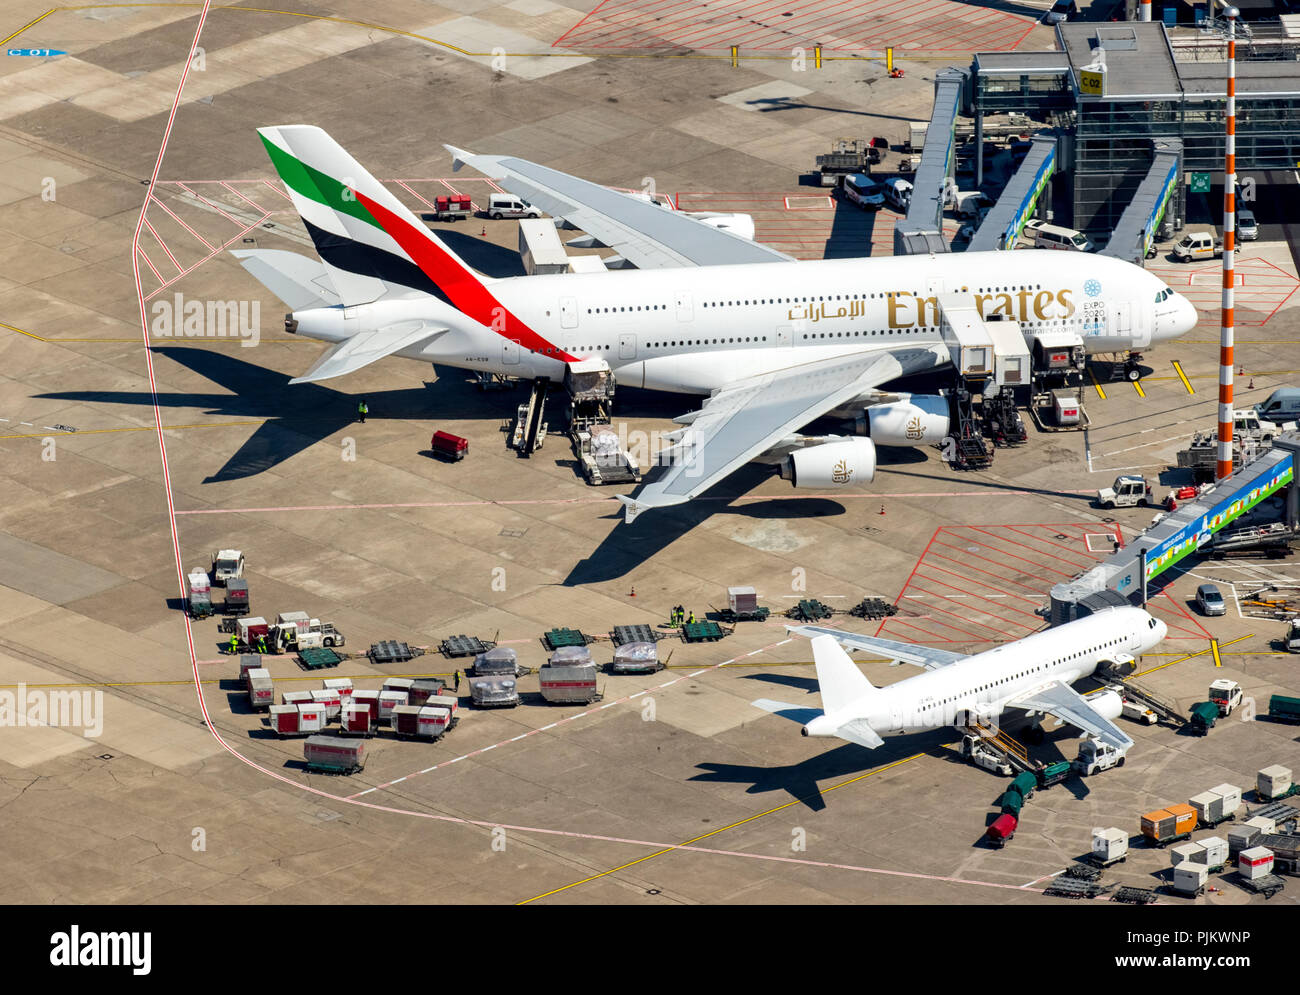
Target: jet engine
(1107,704)
(912,420)
(848,463)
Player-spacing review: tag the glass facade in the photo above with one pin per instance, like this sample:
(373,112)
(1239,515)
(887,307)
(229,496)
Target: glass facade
(1032,92)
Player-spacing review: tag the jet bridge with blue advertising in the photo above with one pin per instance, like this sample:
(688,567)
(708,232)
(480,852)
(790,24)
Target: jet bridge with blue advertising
(1127,572)
(1159,192)
(1006,220)
(922,230)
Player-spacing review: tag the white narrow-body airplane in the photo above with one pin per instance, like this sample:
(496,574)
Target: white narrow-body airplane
(1032,675)
(773,343)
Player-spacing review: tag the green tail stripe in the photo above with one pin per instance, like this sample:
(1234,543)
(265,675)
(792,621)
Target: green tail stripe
(315,185)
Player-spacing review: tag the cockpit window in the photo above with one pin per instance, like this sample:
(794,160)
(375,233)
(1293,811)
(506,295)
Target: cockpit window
(1164,295)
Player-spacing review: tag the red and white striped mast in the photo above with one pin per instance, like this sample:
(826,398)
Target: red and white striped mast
(1226,331)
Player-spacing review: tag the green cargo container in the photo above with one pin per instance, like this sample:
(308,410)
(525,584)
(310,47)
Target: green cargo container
(1283,708)
(1203,715)
(1024,784)
(1054,773)
(1011,803)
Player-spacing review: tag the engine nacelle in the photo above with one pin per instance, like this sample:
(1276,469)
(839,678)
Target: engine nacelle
(913,420)
(850,463)
(1107,704)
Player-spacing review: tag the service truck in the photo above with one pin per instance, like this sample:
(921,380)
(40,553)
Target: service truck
(226,563)
(1226,694)
(1197,245)
(1096,756)
(1247,424)
(298,631)
(1127,490)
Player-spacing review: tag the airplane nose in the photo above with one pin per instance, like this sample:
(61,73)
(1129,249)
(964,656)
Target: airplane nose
(1181,321)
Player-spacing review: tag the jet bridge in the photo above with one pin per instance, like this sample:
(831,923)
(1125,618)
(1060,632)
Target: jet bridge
(1130,569)
(922,230)
(1004,223)
(1137,226)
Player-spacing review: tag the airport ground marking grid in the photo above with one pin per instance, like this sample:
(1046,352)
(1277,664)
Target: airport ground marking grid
(979,585)
(768,25)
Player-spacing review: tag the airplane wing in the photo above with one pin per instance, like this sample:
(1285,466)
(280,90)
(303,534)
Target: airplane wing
(366,347)
(645,234)
(895,652)
(1066,703)
(300,282)
(744,419)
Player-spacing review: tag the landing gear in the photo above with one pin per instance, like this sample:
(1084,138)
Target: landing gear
(1132,372)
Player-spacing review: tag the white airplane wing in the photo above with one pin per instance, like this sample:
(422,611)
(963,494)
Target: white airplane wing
(1066,703)
(889,649)
(366,347)
(745,419)
(645,234)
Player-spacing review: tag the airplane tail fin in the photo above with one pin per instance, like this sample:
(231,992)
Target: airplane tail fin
(372,245)
(839,678)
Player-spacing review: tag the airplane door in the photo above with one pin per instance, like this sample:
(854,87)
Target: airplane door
(510,352)
(685,309)
(784,339)
(627,347)
(1124,319)
(568,312)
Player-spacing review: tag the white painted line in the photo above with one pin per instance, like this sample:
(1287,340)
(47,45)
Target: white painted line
(551,726)
(492,747)
(398,781)
(522,735)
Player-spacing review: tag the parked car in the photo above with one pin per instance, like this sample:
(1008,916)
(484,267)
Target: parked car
(1053,237)
(507,205)
(1062,10)
(1210,601)
(1247,229)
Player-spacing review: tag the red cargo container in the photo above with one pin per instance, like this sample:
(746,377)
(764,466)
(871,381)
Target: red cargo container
(370,699)
(355,718)
(284,720)
(1002,829)
(448,446)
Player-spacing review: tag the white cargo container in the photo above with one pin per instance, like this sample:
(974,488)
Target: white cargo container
(1190,879)
(199,581)
(432,721)
(1231,795)
(402,684)
(447,701)
(636,658)
(568,684)
(1183,853)
(494,692)
(296,697)
(342,685)
(587,264)
(540,247)
(261,690)
(388,700)
(1263,823)
(1273,781)
(1011,363)
(1209,807)
(311,718)
(332,701)
(1213,854)
(966,335)
(1255,862)
(1109,846)
(1242,837)
(1066,407)
(247,662)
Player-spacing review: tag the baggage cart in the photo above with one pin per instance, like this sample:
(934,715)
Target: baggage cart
(236,597)
(636,658)
(1001,830)
(334,754)
(494,692)
(261,690)
(568,684)
(446,446)
(501,661)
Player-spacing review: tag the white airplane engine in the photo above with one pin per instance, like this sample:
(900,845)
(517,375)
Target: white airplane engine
(914,420)
(1107,704)
(850,463)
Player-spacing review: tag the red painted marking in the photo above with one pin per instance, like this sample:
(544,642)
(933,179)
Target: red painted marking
(158,237)
(177,219)
(148,263)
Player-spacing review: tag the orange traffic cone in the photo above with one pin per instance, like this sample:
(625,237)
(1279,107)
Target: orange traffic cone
(484,231)
(882,509)
(633,594)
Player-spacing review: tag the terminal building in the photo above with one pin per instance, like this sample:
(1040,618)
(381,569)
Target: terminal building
(1133,112)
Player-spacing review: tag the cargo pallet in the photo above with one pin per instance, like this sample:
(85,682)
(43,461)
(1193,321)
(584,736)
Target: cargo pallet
(732,617)
(1083,872)
(621,634)
(809,610)
(454,646)
(1268,886)
(327,769)
(873,608)
(702,632)
(391,651)
(316,659)
(1134,896)
(1071,887)
(1276,811)
(555,638)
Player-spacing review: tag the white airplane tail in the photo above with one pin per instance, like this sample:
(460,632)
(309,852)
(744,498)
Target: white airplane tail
(839,678)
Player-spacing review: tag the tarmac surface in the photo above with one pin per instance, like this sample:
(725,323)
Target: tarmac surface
(673,788)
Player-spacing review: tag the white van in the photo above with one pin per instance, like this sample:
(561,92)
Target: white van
(860,189)
(1281,406)
(1052,237)
(898,192)
(507,205)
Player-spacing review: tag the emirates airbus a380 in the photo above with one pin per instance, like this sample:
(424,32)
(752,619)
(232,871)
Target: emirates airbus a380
(774,343)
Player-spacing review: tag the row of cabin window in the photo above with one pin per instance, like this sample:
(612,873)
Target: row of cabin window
(802,300)
(985,687)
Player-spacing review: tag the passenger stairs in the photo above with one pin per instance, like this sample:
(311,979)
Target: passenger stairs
(530,429)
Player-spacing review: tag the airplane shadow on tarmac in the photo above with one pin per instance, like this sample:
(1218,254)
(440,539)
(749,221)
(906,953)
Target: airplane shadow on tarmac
(799,781)
(294,416)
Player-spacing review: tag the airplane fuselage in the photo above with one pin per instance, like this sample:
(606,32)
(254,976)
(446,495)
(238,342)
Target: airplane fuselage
(692,330)
(978,686)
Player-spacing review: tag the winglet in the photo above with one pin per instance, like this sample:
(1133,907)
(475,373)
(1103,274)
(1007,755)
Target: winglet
(633,506)
(459,157)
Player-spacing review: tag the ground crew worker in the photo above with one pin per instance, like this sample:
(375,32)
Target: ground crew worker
(457,676)
(691,620)
(363,409)
(261,645)
(234,643)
